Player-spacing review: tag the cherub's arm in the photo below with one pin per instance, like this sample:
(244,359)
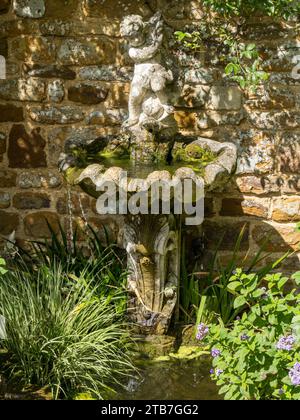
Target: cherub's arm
(155,31)
(145,53)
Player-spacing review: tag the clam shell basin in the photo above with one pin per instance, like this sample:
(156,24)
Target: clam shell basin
(214,174)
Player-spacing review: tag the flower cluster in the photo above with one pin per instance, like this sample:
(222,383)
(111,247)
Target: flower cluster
(294,374)
(218,372)
(215,353)
(244,337)
(286,343)
(203,330)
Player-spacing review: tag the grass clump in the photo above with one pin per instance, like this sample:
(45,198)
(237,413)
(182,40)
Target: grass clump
(61,333)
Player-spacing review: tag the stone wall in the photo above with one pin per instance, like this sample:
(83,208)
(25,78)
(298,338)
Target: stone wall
(68,75)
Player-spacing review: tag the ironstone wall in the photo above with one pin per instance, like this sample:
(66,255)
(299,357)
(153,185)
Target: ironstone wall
(68,75)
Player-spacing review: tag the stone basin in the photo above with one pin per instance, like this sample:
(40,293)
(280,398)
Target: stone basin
(214,173)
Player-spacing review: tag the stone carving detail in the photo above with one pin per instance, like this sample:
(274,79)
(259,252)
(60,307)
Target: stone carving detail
(149,105)
(152,244)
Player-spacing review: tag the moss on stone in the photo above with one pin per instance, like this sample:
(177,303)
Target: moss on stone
(86,396)
(193,153)
(71,174)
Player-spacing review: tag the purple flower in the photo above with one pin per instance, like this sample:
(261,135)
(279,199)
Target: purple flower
(294,374)
(281,392)
(215,353)
(286,343)
(244,337)
(203,330)
(218,372)
(211,371)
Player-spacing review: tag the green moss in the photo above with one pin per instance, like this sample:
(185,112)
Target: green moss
(71,174)
(193,153)
(84,396)
(189,353)
(117,153)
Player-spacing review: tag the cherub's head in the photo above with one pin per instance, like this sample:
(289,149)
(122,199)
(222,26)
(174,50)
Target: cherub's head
(133,28)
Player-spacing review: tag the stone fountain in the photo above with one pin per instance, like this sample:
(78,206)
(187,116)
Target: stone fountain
(150,150)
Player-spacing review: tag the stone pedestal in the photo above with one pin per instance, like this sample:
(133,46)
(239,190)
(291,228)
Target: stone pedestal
(153,246)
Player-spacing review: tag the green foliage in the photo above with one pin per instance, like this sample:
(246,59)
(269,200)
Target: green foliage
(244,65)
(61,333)
(276,8)
(210,298)
(242,61)
(3,269)
(102,264)
(250,364)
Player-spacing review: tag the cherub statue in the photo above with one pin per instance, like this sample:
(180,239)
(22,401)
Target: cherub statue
(148,101)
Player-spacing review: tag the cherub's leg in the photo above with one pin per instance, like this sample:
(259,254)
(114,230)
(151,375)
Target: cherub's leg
(136,97)
(168,109)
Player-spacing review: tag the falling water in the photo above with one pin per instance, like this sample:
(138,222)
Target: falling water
(70,233)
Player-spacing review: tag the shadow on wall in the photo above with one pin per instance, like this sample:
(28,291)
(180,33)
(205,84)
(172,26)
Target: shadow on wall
(269,222)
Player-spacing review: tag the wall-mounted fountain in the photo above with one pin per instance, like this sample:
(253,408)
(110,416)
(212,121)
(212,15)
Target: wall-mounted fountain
(150,149)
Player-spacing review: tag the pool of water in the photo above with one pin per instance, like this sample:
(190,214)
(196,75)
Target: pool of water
(142,170)
(172,381)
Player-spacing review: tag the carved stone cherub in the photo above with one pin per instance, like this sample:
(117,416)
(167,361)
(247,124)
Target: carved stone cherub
(148,102)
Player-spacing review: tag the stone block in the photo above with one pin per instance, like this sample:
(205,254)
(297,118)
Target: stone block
(89,52)
(106,73)
(277,238)
(56,91)
(288,153)
(36,224)
(228,230)
(4,200)
(7,178)
(33,9)
(11,113)
(256,151)
(87,94)
(28,201)
(225,98)
(49,71)
(8,222)
(29,90)
(26,150)
(2,143)
(115,8)
(56,115)
(194,96)
(4,6)
(34,49)
(286,209)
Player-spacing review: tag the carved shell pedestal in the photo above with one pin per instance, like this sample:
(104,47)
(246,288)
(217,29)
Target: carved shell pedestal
(153,247)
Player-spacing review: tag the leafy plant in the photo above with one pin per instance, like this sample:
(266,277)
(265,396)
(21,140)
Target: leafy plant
(3,269)
(258,356)
(276,8)
(103,265)
(211,298)
(224,28)
(61,333)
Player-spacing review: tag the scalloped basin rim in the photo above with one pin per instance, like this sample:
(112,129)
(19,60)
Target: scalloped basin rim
(214,174)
